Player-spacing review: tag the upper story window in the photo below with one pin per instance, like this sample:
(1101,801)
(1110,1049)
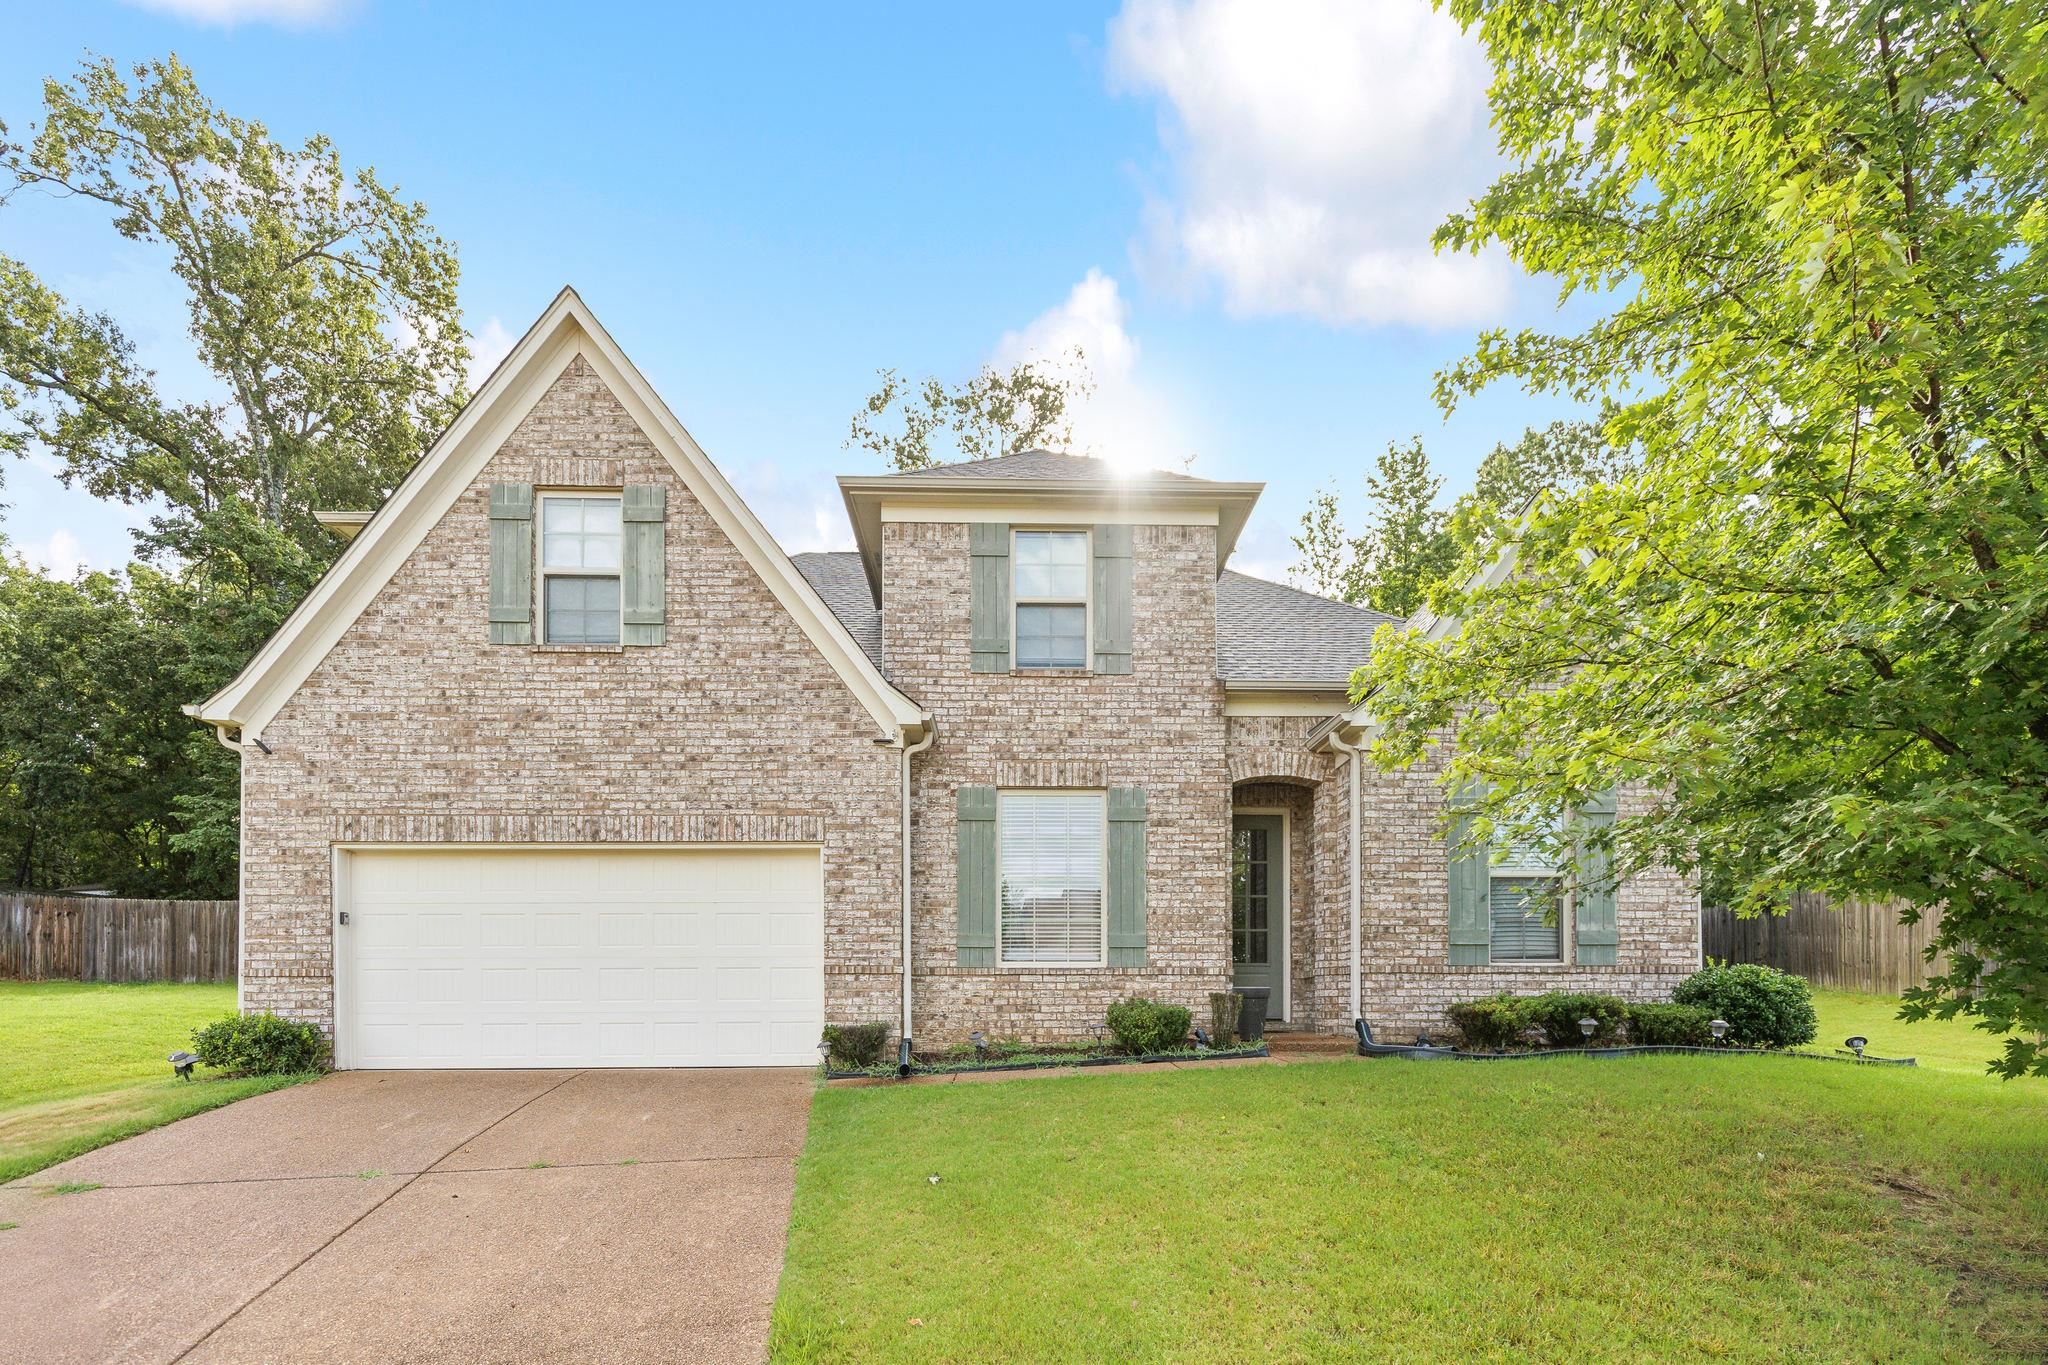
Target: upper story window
(579,569)
(1522,889)
(1051,595)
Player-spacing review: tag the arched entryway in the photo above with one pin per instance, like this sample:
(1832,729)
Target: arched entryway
(1272,920)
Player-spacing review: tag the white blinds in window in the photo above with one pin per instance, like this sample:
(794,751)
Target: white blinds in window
(1051,861)
(1519,933)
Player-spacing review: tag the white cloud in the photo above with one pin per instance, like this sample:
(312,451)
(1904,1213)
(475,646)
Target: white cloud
(486,348)
(228,13)
(58,556)
(1127,420)
(1316,144)
(803,514)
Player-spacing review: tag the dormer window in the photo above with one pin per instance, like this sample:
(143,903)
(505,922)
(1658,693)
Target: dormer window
(1051,596)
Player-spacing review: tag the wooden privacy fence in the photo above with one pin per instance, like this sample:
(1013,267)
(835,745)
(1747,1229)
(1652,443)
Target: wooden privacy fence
(1846,945)
(99,938)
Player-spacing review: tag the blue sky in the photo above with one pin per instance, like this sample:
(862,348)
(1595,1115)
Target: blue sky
(1226,205)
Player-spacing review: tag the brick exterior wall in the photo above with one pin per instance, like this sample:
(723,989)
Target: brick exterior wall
(414,729)
(1160,728)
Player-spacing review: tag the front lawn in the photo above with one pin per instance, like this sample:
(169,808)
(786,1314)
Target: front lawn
(1757,1208)
(82,1065)
(1943,1044)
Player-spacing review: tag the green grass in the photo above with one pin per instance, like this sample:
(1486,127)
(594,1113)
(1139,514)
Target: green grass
(1570,1209)
(82,1065)
(1943,1044)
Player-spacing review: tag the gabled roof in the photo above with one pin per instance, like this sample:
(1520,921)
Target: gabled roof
(1271,633)
(1046,482)
(566,330)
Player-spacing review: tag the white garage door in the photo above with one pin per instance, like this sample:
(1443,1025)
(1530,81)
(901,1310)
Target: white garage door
(581,957)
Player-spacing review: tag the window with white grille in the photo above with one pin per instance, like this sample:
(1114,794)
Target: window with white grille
(579,570)
(1051,570)
(1050,852)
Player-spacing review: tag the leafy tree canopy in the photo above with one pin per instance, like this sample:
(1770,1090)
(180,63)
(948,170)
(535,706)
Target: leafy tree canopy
(322,303)
(1813,617)
(1409,543)
(997,412)
(324,307)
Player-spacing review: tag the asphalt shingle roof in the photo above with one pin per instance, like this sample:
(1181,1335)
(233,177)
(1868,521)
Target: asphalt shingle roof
(1268,632)
(1041,464)
(1265,632)
(843,583)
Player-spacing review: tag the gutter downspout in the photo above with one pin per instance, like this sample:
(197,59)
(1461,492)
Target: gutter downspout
(1356,770)
(930,733)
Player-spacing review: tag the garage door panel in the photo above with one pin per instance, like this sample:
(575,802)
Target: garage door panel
(587,957)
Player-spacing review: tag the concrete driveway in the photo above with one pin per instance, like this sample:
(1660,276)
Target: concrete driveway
(420,1216)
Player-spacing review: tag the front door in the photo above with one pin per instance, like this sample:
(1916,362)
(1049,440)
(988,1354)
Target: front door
(1258,905)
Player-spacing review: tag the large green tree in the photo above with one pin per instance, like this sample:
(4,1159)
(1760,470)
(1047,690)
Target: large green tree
(322,303)
(323,307)
(1814,617)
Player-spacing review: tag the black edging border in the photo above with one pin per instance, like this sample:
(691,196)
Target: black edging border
(1151,1058)
(1458,1055)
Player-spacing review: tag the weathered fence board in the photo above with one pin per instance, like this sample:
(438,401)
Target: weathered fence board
(1846,945)
(97,938)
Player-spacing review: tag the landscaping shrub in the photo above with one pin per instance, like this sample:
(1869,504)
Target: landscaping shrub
(260,1045)
(1669,1026)
(1764,1007)
(1142,1027)
(1558,1013)
(855,1047)
(1490,1024)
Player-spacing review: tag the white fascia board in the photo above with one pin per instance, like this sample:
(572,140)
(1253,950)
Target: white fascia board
(1282,700)
(866,496)
(567,329)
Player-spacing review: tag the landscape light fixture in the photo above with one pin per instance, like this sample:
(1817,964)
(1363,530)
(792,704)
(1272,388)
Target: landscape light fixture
(825,1053)
(182,1062)
(1718,1027)
(1857,1044)
(1586,1027)
(980,1042)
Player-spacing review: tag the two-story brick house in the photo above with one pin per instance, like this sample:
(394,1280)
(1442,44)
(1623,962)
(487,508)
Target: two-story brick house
(565,762)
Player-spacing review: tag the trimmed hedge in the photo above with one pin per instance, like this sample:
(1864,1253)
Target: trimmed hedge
(1491,1024)
(1142,1027)
(1558,1013)
(1670,1026)
(855,1047)
(1764,1007)
(260,1045)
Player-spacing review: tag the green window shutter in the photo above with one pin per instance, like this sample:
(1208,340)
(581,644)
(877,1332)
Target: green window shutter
(643,565)
(511,610)
(1595,932)
(1471,907)
(1126,876)
(979,889)
(1112,599)
(988,589)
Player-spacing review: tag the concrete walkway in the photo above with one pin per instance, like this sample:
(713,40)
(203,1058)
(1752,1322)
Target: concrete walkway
(389,1216)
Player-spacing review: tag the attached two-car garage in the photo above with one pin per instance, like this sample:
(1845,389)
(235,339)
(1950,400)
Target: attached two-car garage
(450,956)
